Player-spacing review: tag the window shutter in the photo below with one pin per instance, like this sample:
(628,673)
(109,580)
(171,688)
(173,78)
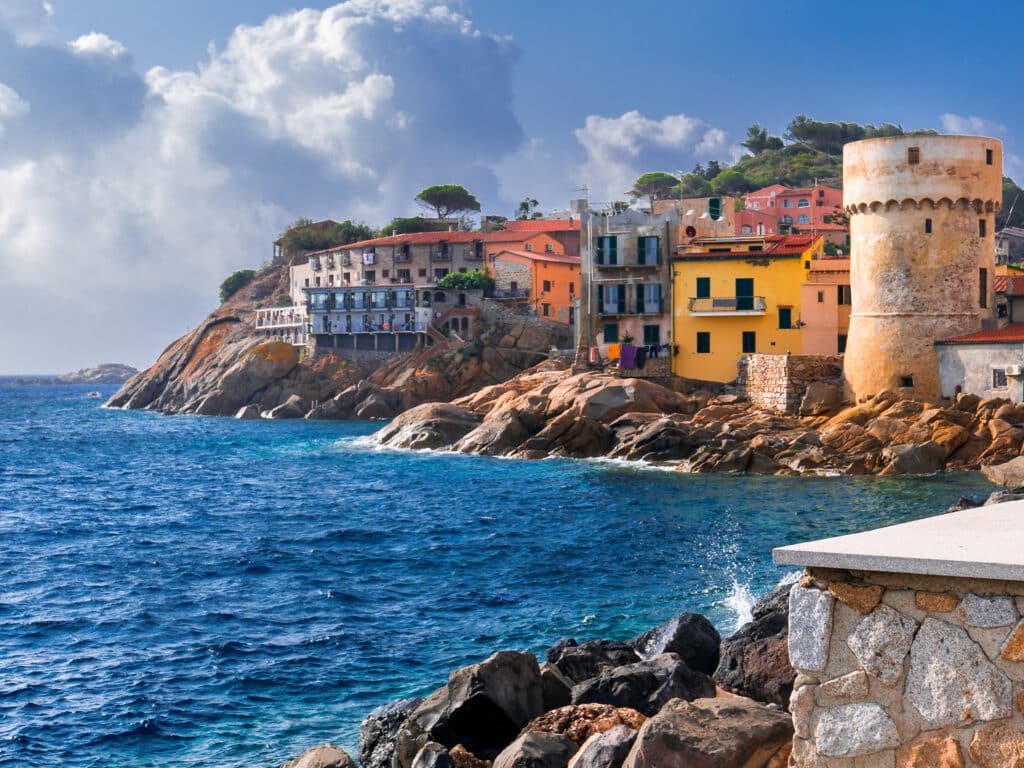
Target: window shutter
(640,299)
(613,250)
(600,250)
(622,298)
(660,298)
(653,251)
(600,300)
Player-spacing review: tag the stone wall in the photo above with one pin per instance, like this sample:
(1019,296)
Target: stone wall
(779,382)
(906,671)
(654,368)
(506,273)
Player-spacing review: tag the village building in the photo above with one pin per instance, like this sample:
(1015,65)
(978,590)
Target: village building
(735,296)
(565,231)
(544,281)
(986,363)
(825,303)
(1010,245)
(700,216)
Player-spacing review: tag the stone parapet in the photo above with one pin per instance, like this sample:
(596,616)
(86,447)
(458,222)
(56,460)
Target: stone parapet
(779,382)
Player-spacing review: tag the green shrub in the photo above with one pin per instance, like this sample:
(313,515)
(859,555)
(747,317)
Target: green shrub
(457,281)
(235,282)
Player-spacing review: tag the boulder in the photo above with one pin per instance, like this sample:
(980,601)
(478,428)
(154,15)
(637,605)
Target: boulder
(689,635)
(755,659)
(379,729)
(326,756)
(375,407)
(248,412)
(535,749)
(465,759)
(711,733)
(578,722)
(645,685)
(292,408)
(820,399)
(556,686)
(582,661)
(1010,473)
(500,432)
(433,755)
(431,425)
(483,707)
(923,459)
(605,750)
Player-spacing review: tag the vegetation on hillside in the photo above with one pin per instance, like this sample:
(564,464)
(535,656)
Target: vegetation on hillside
(447,199)
(235,282)
(404,225)
(304,235)
(477,278)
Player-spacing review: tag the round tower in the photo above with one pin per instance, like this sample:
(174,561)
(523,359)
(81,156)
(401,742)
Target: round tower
(922,254)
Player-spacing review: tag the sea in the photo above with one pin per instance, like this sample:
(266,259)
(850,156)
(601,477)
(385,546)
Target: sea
(187,591)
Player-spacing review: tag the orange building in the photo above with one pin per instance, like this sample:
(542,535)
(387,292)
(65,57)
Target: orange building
(565,231)
(825,307)
(548,281)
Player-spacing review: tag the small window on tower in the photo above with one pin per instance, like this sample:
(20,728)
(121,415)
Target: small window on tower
(821,297)
(907,381)
(927,226)
(913,155)
(981,227)
(988,157)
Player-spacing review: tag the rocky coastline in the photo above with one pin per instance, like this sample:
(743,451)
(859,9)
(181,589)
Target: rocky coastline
(676,695)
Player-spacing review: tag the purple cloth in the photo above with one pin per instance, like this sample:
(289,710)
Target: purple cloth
(627,357)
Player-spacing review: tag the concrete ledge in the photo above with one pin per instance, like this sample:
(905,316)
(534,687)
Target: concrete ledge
(980,543)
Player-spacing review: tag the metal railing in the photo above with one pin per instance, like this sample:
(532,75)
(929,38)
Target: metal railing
(727,304)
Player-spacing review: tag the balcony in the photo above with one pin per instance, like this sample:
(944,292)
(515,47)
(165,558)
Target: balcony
(440,255)
(627,265)
(728,306)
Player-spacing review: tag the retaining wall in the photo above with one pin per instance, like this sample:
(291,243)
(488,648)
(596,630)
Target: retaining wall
(779,382)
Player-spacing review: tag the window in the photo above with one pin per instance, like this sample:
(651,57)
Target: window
(316,280)
(607,249)
(803,218)
(648,299)
(385,273)
(785,317)
(529,246)
(749,342)
(757,206)
(572,289)
(462,270)
(715,208)
(907,381)
(404,276)
(787,203)
(983,288)
(841,343)
(787,219)
(422,272)
(652,334)
(703,287)
(746,229)
(611,299)
(821,193)
(703,343)
(998,375)
(913,155)
(981,227)
(927,226)
(647,250)
(547,286)
(347,277)
(549,247)
(307,282)
(546,309)
(988,157)
(821,297)
(572,315)
(611,333)
(803,202)
(844,295)
(370,275)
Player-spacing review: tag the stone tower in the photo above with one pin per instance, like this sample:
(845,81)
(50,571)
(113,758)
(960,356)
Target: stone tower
(922,247)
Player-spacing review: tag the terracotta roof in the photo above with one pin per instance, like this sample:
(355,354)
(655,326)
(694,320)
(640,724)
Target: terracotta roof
(560,258)
(822,227)
(1012,333)
(420,238)
(542,225)
(775,245)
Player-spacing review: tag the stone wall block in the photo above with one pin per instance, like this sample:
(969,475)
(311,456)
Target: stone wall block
(801,705)
(1013,649)
(855,729)
(987,612)
(862,599)
(932,750)
(881,642)
(936,602)
(845,689)
(951,682)
(904,601)
(998,745)
(810,622)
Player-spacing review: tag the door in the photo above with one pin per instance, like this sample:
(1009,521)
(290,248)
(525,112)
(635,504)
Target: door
(744,293)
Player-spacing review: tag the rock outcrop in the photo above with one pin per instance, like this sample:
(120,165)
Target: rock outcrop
(105,373)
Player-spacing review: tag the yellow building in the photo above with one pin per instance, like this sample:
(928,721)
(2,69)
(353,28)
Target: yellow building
(737,295)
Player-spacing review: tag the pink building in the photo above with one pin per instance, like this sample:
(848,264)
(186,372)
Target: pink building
(807,206)
(751,222)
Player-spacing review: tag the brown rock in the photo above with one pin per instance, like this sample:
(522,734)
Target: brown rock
(903,409)
(998,745)
(579,722)
(931,750)
(326,756)
(862,599)
(781,758)
(950,436)
(463,758)
(1013,649)
(1020,702)
(821,398)
(939,602)
(850,438)
(1010,473)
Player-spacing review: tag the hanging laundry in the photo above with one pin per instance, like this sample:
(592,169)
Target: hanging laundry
(593,354)
(613,351)
(652,352)
(628,359)
(641,358)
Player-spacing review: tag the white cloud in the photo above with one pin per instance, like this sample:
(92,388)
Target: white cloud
(98,44)
(970,124)
(27,20)
(620,148)
(125,201)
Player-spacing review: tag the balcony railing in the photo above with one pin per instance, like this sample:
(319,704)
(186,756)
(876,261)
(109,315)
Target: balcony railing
(728,305)
(621,264)
(441,256)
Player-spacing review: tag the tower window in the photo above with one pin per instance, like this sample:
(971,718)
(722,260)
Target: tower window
(906,381)
(983,288)
(981,227)
(927,226)
(913,155)
(821,297)
(988,157)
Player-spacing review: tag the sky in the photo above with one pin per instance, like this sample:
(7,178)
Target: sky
(148,149)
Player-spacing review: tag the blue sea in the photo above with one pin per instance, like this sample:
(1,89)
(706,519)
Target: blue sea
(182,591)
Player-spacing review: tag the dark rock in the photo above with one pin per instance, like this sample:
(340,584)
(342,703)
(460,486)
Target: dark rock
(483,707)
(248,412)
(578,722)
(325,756)
(582,661)
(292,408)
(535,749)
(755,660)
(605,750)
(710,733)
(375,406)
(433,755)
(557,687)
(689,635)
(646,685)
(998,497)
(379,729)
(966,503)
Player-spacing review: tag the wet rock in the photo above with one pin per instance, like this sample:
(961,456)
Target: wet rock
(755,659)
(248,412)
(689,635)
(998,497)
(605,750)
(646,685)
(578,722)
(292,408)
(482,707)
(582,661)
(535,749)
(431,425)
(710,733)
(379,729)
(433,755)
(326,756)
(855,729)
(557,687)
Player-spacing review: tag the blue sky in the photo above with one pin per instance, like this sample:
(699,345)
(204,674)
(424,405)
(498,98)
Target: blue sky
(148,149)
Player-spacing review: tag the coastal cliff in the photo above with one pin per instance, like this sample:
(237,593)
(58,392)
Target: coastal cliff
(548,411)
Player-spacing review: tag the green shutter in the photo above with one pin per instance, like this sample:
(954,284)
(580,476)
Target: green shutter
(600,250)
(785,317)
(600,299)
(622,299)
(715,207)
(613,249)
(703,287)
(640,299)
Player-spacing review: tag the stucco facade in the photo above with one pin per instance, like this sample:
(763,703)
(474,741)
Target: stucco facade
(549,282)
(825,307)
(987,364)
(922,223)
